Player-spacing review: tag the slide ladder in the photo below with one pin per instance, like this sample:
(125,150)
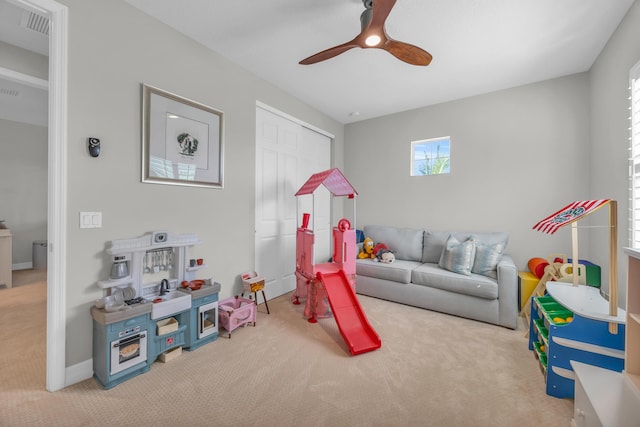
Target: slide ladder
(352,322)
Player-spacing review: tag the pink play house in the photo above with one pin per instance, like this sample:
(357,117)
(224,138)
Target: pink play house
(329,288)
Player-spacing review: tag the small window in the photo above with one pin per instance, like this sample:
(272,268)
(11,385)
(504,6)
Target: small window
(431,156)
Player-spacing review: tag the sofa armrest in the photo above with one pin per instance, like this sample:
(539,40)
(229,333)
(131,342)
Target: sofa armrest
(508,292)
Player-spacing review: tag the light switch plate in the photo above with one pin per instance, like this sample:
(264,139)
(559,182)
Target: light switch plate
(90,219)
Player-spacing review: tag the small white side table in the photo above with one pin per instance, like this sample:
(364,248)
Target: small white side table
(5,257)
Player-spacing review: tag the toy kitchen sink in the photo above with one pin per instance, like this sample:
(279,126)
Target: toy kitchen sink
(172,303)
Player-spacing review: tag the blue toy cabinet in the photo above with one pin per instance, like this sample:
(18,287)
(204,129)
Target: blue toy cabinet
(203,322)
(165,338)
(120,346)
(571,323)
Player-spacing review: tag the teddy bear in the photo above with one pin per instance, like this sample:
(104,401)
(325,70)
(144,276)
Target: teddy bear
(367,249)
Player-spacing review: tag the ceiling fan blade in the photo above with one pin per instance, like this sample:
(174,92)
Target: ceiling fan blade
(374,35)
(330,53)
(407,52)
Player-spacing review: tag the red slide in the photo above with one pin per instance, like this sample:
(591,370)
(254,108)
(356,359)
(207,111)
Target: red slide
(352,322)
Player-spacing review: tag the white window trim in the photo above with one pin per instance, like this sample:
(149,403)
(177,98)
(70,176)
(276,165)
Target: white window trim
(634,156)
(427,141)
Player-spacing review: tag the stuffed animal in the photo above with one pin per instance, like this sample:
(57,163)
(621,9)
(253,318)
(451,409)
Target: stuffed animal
(367,249)
(383,254)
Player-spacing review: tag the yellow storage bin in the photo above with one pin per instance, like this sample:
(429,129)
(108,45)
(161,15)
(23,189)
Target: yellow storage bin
(527,282)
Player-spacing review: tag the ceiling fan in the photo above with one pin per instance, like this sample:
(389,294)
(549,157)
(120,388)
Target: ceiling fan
(373,35)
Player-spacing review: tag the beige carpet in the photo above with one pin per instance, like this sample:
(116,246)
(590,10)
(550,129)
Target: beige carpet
(432,370)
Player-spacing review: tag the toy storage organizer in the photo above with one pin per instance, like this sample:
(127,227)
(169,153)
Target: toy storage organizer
(575,323)
(585,338)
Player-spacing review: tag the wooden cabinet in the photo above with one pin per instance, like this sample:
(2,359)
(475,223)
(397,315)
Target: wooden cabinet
(606,398)
(632,367)
(5,257)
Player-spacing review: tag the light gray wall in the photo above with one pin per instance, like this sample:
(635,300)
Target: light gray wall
(23,164)
(517,156)
(24,61)
(23,185)
(609,123)
(113,48)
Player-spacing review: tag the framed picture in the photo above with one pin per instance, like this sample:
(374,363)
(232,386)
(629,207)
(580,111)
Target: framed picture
(182,140)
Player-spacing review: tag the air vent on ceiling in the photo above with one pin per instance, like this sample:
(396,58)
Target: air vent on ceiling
(9,92)
(34,22)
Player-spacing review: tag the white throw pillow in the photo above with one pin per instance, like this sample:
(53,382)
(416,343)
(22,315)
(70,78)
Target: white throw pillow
(458,256)
(487,258)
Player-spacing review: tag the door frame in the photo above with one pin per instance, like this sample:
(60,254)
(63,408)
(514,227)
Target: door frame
(57,188)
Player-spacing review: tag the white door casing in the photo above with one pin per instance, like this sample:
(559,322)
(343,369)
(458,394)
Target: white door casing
(57,188)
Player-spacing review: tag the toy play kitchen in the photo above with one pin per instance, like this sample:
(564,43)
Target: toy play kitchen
(154,306)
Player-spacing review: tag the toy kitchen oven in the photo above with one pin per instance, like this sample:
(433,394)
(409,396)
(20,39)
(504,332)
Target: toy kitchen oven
(153,305)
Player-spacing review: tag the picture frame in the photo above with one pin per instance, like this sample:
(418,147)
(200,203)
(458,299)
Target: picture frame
(182,140)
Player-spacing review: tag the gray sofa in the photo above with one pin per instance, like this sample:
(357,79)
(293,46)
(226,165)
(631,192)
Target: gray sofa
(464,274)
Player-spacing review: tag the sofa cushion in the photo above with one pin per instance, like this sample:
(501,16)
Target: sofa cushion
(458,256)
(487,257)
(430,274)
(397,271)
(405,243)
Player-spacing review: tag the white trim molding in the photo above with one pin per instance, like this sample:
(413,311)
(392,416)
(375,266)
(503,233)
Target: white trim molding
(25,79)
(57,188)
(294,119)
(57,210)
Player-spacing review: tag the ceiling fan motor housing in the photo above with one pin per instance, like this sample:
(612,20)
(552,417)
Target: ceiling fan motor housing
(365,18)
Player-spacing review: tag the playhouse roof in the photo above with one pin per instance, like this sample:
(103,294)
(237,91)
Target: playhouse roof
(332,179)
(570,213)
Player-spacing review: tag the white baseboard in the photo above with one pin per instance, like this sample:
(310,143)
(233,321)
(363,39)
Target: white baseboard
(78,372)
(22,266)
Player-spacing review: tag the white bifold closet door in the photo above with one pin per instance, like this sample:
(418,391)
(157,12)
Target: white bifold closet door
(287,154)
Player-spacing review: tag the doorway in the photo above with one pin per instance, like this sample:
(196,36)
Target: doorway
(56,187)
(288,152)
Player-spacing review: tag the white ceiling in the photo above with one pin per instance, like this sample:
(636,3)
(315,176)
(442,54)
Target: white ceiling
(478,46)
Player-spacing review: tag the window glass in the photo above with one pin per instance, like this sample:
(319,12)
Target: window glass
(431,156)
